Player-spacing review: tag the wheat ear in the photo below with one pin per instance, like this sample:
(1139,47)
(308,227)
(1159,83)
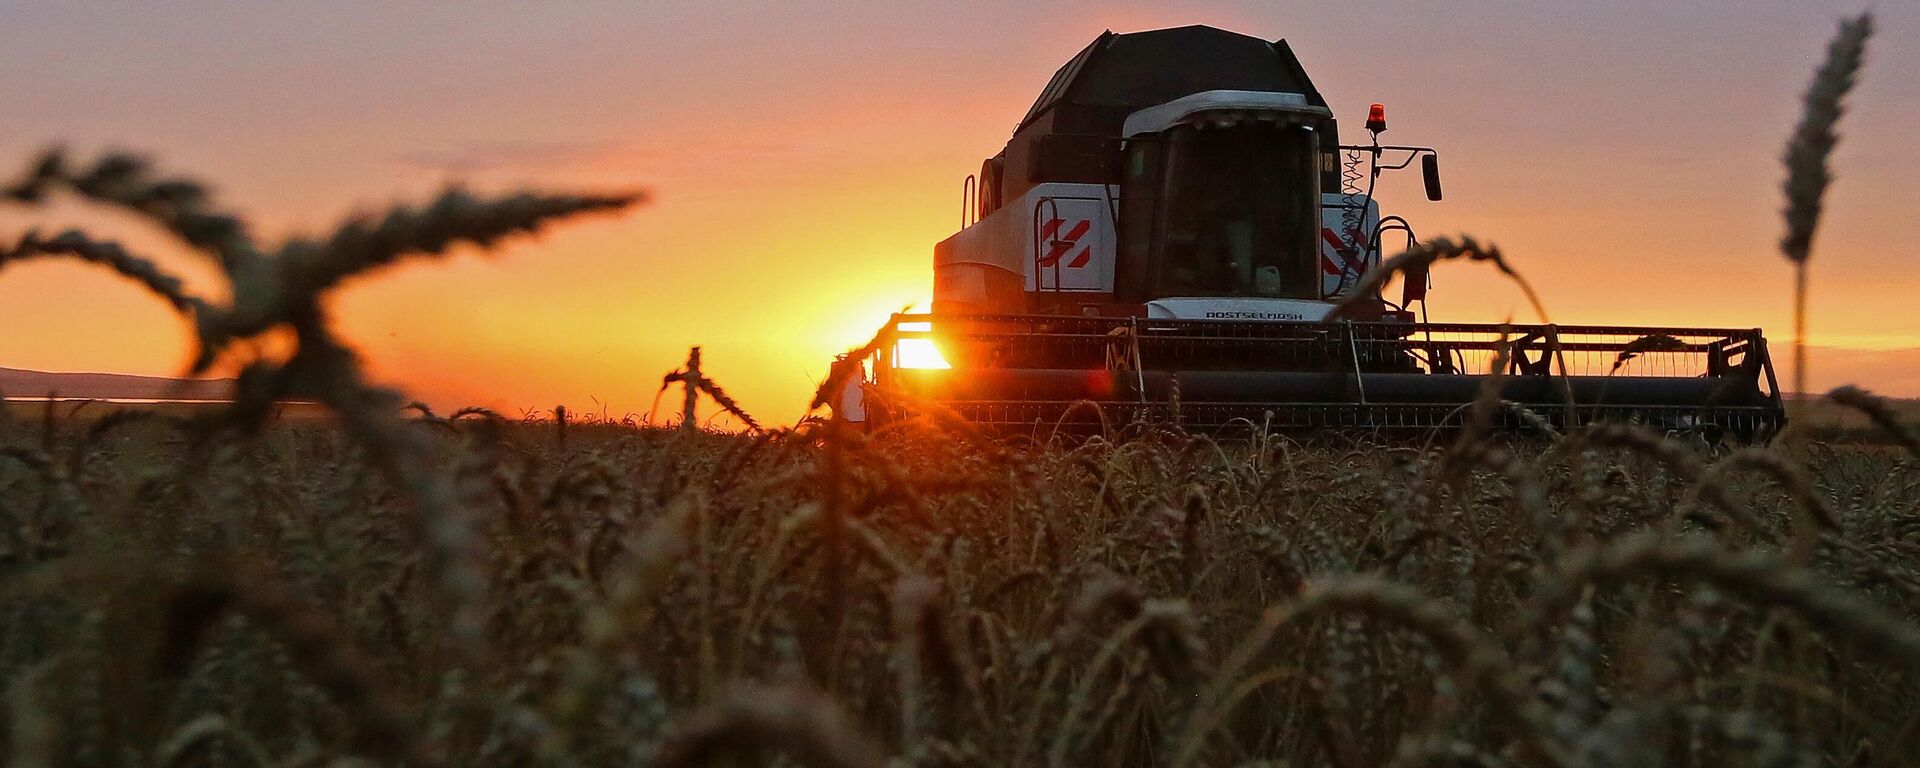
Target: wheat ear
(1761,577)
(1881,413)
(802,724)
(1808,174)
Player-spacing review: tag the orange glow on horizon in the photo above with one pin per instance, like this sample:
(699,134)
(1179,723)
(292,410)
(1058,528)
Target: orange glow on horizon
(802,172)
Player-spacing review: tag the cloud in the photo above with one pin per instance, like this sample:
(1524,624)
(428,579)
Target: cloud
(711,162)
(471,157)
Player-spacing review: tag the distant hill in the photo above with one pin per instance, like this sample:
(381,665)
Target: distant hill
(1891,373)
(15,383)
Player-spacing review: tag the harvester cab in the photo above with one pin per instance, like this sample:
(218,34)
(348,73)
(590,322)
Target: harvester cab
(1151,181)
(1166,235)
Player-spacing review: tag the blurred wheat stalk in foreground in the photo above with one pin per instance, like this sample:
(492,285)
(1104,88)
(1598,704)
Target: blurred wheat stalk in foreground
(1808,156)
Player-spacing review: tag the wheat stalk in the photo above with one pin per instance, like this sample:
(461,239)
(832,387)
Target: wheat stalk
(177,750)
(1807,155)
(318,644)
(1763,578)
(805,725)
(182,206)
(1425,255)
(1813,513)
(75,244)
(1464,652)
(1881,413)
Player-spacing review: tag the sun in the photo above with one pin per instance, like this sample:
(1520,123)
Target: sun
(915,348)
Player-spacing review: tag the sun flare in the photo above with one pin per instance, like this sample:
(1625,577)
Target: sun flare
(916,349)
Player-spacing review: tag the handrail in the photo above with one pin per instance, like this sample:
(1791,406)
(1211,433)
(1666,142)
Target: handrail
(969,194)
(1038,284)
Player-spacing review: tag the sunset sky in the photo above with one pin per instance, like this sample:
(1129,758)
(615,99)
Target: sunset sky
(804,158)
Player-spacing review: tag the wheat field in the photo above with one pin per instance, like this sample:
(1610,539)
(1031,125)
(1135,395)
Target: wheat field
(606,595)
(392,586)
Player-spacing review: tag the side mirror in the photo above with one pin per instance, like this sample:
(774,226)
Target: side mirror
(1430,170)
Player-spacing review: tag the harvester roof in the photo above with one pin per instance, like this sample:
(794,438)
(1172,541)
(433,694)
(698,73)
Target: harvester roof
(1121,73)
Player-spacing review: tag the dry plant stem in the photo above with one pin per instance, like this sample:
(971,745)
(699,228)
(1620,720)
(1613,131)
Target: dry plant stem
(695,384)
(690,379)
(849,366)
(1800,283)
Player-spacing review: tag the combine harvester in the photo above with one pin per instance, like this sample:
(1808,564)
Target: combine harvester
(1165,237)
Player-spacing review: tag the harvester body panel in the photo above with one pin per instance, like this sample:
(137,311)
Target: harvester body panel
(1055,247)
(1056,238)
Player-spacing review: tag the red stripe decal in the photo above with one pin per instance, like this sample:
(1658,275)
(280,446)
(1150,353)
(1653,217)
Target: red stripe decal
(1065,244)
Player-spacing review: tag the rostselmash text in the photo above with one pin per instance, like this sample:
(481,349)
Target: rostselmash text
(1255,316)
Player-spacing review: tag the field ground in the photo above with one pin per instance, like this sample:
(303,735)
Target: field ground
(1817,418)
